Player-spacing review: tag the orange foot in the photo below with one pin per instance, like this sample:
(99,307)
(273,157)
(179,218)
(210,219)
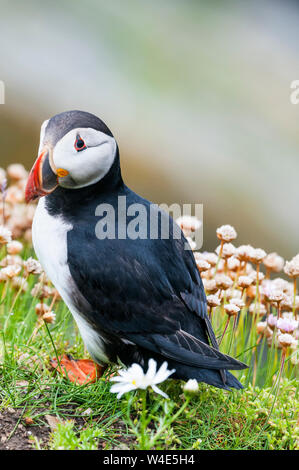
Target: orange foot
(81,371)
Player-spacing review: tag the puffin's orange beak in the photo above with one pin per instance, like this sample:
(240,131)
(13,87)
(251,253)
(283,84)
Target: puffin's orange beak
(42,179)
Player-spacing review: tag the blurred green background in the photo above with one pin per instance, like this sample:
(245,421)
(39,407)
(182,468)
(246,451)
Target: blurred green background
(196,93)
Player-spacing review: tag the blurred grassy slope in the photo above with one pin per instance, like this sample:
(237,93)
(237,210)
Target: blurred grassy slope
(197,94)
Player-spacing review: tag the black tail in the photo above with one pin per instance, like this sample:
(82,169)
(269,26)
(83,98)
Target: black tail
(209,376)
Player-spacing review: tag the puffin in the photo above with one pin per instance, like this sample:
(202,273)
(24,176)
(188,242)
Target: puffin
(134,295)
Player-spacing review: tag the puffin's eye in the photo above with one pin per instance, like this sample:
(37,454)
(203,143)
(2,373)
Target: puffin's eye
(79,144)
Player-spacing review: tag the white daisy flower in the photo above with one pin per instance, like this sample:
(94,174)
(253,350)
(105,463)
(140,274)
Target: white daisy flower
(134,378)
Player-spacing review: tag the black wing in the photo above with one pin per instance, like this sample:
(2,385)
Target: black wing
(148,292)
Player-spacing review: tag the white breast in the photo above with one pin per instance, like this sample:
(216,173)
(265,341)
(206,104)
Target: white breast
(49,235)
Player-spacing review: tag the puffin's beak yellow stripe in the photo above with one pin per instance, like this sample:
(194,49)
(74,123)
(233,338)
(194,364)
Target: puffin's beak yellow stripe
(61,172)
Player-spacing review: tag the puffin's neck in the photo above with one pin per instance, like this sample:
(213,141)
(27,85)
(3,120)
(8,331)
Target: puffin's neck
(67,202)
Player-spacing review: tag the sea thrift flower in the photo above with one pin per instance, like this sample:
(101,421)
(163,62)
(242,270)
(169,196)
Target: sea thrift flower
(292,267)
(244,252)
(256,276)
(233,263)
(257,255)
(272,320)
(19,283)
(227,250)
(11,271)
(211,258)
(32,266)
(287,325)
(41,291)
(285,340)
(223,282)
(261,309)
(49,317)
(134,378)
(226,233)
(245,281)
(202,265)
(210,285)
(261,327)
(188,224)
(14,247)
(41,308)
(191,387)
(17,172)
(5,235)
(213,301)
(237,301)
(273,262)
(231,309)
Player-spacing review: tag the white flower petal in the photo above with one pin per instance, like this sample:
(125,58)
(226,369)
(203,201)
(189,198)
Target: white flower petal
(157,390)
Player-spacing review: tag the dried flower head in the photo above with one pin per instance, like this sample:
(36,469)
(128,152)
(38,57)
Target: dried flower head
(274,262)
(285,340)
(257,309)
(237,301)
(226,233)
(223,282)
(213,301)
(231,309)
(211,258)
(19,283)
(272,320)
(17,172)
(245,281)
(257,255)
(227,250)
(233,263)
(210,286)
(5,235)
(11,271)
(243,252)
(188,224)
(287,325)
(49,317)
(202,265)
(292,267)
(14,247)
(41,291)
(261,327)
(32,266)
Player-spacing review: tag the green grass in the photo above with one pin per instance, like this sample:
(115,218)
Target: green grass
(214,419)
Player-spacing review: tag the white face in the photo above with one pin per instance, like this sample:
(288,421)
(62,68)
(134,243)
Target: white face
(86,164)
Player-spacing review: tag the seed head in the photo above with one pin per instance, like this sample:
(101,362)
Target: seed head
(32,266)
(292,267)
(228,250)
(11,271)
(244,252)
(16,172)
(210,285)
(245,281)
(5,235)
(287,325)
(223,282)
(285,340)
(257,255)
(226,233)
(188,224)
(213,301)
(231,309)
(14,247)
(49,317)
(274,262)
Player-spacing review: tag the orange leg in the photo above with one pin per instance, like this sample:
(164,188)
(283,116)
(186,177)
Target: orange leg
(81,371)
